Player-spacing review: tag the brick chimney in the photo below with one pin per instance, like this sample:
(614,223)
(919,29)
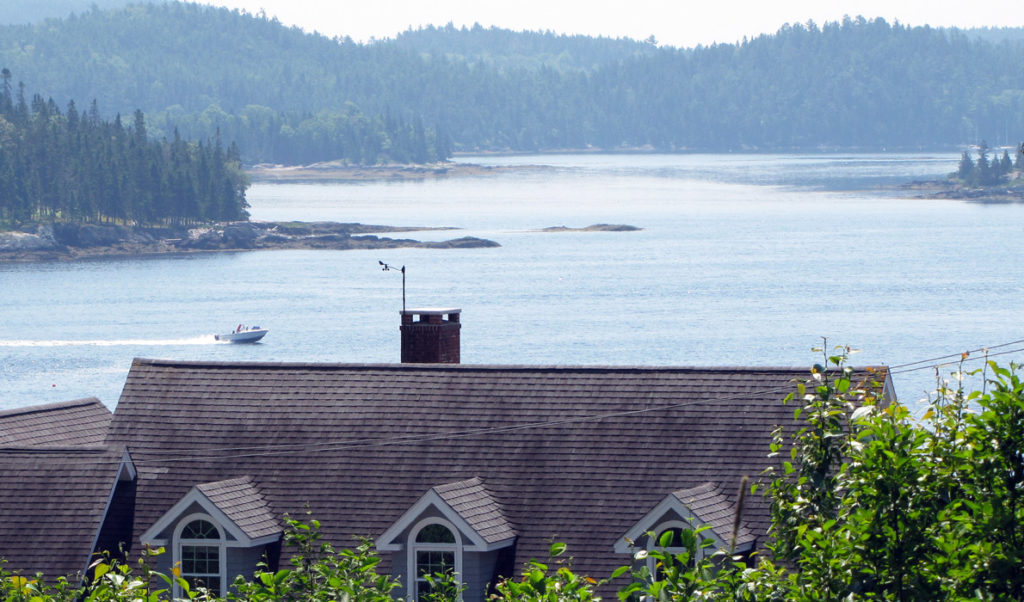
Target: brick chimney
(430,336)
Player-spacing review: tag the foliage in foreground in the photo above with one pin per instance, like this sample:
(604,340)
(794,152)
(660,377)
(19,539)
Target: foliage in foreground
(870,503)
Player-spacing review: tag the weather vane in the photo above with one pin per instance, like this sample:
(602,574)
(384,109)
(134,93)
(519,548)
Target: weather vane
(388,268)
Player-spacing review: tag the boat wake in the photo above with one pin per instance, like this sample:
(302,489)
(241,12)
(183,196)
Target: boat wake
(207,339)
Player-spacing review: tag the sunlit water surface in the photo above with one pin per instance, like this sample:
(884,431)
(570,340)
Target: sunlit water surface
(741,260)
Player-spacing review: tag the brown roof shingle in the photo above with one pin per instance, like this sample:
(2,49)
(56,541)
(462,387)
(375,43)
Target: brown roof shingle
(716,510)
(574,454)
(240,501)
(51,503)
(471,500)
(63,424)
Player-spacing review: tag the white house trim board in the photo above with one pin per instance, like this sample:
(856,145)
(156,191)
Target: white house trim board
(194,496)
(389,541)
(125,472)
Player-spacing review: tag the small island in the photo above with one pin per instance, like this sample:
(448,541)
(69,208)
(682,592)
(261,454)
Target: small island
(593,228)
(995,180)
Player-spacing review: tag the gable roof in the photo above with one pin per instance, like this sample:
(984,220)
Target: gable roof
(574,454)
(713,508)
(242,504)
(703,505)
(68,423)
(471,500)
(235,504)
(468,506)
(52,502)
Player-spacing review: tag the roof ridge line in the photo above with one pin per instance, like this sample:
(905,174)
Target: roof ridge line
(473,367)
(49,407)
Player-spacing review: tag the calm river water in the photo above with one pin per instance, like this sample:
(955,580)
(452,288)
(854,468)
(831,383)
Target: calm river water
(741,260)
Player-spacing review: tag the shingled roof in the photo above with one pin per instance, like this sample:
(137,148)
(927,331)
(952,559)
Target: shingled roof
(64,424)
(572,454)
(242,504)
(708,502)
(53,502)
(471,500)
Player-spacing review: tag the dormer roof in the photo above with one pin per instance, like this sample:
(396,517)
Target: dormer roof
(466,504)
(235,504)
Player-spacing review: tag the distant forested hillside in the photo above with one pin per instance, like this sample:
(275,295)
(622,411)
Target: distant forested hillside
(506,49)
(31,11)
(289,97)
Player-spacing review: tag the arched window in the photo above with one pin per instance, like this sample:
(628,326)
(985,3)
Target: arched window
(678,537)
(434,547)
(199,550)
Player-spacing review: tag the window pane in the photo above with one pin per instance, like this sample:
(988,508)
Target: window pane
(430,562)
(200,560)
(423,589)
(200,529)
(210,582)
(435,533)
(676,540)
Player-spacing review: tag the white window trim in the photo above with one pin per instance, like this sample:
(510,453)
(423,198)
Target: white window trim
(221,544)
(413,546)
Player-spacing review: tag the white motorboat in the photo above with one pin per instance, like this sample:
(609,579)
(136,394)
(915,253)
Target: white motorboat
(243,334)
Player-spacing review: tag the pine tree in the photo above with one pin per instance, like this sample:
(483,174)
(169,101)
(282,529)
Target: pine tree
(965,171)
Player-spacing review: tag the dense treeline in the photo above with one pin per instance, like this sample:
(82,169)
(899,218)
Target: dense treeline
(76,166)
(270,136)
(986,171)
(289,97)
(17,11)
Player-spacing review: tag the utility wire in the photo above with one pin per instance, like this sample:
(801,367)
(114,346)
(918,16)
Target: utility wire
(341,444)
(956,356)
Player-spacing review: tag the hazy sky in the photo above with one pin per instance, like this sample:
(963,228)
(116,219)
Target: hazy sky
(678,22)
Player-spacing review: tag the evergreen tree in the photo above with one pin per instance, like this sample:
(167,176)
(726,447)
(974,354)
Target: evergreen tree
(965,171)
(80,168)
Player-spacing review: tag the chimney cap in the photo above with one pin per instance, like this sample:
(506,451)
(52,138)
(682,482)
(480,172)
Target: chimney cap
(431,311)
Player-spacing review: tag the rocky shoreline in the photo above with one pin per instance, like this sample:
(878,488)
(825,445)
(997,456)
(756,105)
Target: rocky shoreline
(61,242)
(949,189)
(336,171)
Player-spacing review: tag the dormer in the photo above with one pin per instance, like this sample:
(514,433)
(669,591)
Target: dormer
(216,531)
(691,509)
(457,526)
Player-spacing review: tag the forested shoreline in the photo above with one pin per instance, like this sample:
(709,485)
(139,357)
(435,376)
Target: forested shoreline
(74,166)
(289,97)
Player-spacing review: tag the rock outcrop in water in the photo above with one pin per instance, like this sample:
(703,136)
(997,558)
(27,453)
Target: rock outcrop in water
(73,241)
(594,228)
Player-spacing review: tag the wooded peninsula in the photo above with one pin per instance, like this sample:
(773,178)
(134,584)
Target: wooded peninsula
(78,167)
